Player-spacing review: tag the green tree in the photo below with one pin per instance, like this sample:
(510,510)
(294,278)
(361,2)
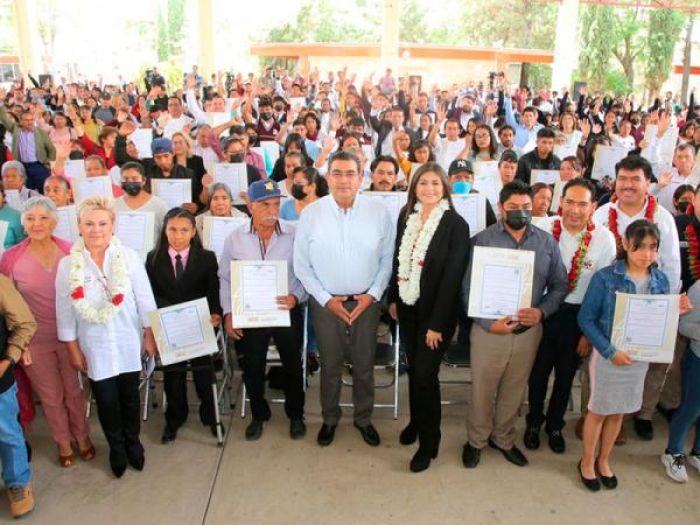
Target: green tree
(162,45)
(664,31)
(597,43)
(412,25)
(176,21)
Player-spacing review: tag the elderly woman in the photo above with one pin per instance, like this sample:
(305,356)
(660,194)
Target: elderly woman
(15,232)
(14,177)
(57,188)
(103,297)
(32,266)
(220,205)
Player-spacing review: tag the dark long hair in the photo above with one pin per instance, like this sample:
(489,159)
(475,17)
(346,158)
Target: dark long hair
(493,144)
(161,250)
(412,199)
(312,176)
(635,234)
(298,140)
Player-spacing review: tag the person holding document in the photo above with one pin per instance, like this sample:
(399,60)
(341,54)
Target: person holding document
(632,201)
(342,256)
(423,298)
(503,350)
(617,382)
(220,205)
(181,270)
(266,238)
(585,248)
(102,302)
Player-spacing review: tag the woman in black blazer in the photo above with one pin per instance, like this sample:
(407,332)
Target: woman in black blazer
(430,257)
(181,270)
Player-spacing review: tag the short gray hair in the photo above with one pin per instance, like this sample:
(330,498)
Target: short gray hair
(219,186)
(97,203)
(42,202)
(14,165)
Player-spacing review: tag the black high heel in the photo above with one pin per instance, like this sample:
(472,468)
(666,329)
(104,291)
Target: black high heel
(591,484)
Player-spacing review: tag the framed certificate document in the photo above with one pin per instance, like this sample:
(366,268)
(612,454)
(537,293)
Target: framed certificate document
(183,331)
(392,200)
(215,231)
(487,180)
(546,176)
(255,287)
(472,208)
(142,139)
(174,192)
(605,159)
(67,226)
(645,326)
(89,186)
(74,169)
(234,175)
(501,282)
(136,229)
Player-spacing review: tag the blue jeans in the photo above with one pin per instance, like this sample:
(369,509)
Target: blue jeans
(688,413)
(13,451)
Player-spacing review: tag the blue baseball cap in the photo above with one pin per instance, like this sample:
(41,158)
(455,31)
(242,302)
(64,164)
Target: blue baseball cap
(161,145)
(262,190)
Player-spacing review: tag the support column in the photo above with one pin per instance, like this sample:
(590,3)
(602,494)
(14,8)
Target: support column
(565,44)
(389,52)
(206,37)
(27,57)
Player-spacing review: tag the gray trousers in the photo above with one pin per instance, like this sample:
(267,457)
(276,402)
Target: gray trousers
(339,343)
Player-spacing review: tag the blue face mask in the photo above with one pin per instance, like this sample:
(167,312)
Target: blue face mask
(461,187)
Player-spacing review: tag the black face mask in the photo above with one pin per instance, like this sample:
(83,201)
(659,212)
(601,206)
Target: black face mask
(236,158)
(298,192)
(635,121)
(265,115)
(518,219)
(683,206)
(131,188)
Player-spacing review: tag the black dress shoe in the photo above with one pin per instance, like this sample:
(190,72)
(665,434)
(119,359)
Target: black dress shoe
(169,434)
(408,435)
(297,428)
(644,429)
(471,456)
(591,484)
(369,434)
(421,460)
(326,435)
(254,430)
(512,454)
(532,438)
(137,461)
(556,442)
(118,463)
(609,482)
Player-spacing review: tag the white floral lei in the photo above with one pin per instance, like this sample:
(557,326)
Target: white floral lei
(118,278)
(414,245)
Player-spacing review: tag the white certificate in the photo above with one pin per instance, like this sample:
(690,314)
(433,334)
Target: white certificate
(183,331)
(67,226)
(557,195)
(297,102)
(546,176)
(448,151)
(255,286)
(175,192)
(74,169)
(4,225)
(218,117)
(13,199)
(605,159)
(665,146)
(645,326)
(487,180)
(136,229)
(392,200)
(501,282)
(368,152)
(472,208)
(272,149)
(89,186)
(142,139)
(562,150)
(215,231)
(234,175)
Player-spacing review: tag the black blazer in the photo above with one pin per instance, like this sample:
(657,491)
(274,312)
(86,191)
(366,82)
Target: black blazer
(441,278)
(201,279)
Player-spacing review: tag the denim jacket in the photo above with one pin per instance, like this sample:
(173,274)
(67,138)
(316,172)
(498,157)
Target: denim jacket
(598,309)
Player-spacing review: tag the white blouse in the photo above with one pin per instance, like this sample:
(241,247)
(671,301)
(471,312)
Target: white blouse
(113,348)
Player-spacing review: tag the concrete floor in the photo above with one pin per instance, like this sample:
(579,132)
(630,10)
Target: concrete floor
(279,481)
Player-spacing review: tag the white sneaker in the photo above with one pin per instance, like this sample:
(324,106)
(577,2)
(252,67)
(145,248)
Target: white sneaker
(694,461)
(675,467)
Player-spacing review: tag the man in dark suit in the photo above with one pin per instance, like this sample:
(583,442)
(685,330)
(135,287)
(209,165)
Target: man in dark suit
(465,112)
(386,128)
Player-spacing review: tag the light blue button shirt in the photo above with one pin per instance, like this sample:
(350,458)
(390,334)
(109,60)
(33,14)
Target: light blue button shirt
(344,252)
(522,135)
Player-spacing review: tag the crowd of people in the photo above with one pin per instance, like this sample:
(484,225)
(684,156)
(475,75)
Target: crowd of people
(315,150)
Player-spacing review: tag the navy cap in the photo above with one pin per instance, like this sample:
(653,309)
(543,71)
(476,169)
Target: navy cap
(262,190)
(460,165)
(161,145)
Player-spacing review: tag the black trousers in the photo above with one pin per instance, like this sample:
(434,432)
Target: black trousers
(118,409)
(252,357)
(423,383)
(557,352)
(175,386)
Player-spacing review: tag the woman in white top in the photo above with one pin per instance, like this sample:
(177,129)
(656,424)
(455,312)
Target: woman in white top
(569,135)
(103,296)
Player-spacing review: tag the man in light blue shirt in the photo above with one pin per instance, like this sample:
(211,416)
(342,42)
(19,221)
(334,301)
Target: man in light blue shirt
(526,130)
(342,255)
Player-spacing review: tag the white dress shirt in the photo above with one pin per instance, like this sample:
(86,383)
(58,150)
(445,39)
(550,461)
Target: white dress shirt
(601,253)
(176,124)
(669,258)
(113,348)
(344,252)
